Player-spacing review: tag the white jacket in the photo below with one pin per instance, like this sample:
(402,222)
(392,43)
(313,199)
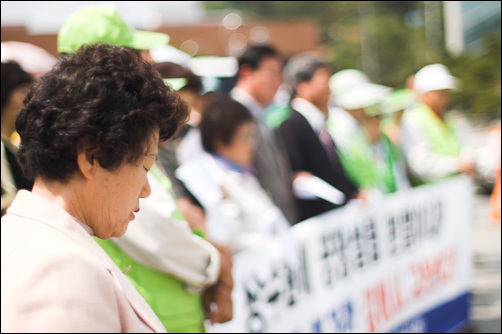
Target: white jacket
(157,239)
(238,210)
(56,278)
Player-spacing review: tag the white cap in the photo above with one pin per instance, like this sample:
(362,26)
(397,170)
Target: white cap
(434,77)
(362,95)
(352,89)
(345,79)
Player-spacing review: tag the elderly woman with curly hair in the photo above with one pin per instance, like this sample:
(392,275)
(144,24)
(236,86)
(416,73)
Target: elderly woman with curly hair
(89,134)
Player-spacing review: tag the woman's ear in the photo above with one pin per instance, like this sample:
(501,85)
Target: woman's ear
(87,163)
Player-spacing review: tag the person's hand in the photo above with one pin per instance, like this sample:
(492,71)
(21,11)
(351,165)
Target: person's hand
(302,174)
(467,167)
(362,196)
(218,305)
(217,299)
(226,254)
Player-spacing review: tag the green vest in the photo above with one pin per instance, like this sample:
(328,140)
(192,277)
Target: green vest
(274,116)
(389,167)
(440,134)
(178,310)
(361,165)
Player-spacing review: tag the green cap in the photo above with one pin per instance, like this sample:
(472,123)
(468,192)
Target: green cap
(102,23)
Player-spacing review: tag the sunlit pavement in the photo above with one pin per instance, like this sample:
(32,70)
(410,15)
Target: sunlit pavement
(485,312)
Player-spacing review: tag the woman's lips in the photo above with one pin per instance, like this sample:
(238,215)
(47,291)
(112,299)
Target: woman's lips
(134,212)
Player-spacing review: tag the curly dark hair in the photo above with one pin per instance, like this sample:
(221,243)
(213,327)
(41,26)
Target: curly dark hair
(220,120)
(105,97)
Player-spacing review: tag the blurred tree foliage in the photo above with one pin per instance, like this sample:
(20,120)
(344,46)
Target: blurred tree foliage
(387,40)
(479,94)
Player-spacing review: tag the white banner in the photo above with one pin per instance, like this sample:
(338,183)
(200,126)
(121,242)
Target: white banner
(401,263)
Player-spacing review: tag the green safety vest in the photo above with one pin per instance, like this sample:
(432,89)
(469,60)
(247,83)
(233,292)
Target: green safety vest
(440,135)
(178,310)
(274,116)
(362,167)
(388,167)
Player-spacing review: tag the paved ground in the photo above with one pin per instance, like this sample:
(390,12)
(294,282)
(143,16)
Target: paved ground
(486,243)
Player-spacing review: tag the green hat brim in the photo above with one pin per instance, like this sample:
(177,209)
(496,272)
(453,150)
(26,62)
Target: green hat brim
(145,40)
(398,100)
(175,83)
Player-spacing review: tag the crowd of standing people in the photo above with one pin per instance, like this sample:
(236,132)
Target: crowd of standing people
(108,136)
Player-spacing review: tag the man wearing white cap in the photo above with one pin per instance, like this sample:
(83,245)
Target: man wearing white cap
(367,154)
(430,143)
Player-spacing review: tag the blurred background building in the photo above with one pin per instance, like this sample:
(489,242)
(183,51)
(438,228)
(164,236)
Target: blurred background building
(466,22)
(388,40)
(207,33)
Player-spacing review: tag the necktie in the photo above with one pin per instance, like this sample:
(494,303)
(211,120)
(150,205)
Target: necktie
(329,145)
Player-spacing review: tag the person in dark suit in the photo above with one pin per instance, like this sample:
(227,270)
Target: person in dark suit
(311,150)
(259,78)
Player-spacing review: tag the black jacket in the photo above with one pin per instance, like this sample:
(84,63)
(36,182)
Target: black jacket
(306,153)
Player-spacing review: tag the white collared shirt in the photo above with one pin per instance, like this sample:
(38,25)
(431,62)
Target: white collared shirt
(312,114)
(258,112)
(243,97)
